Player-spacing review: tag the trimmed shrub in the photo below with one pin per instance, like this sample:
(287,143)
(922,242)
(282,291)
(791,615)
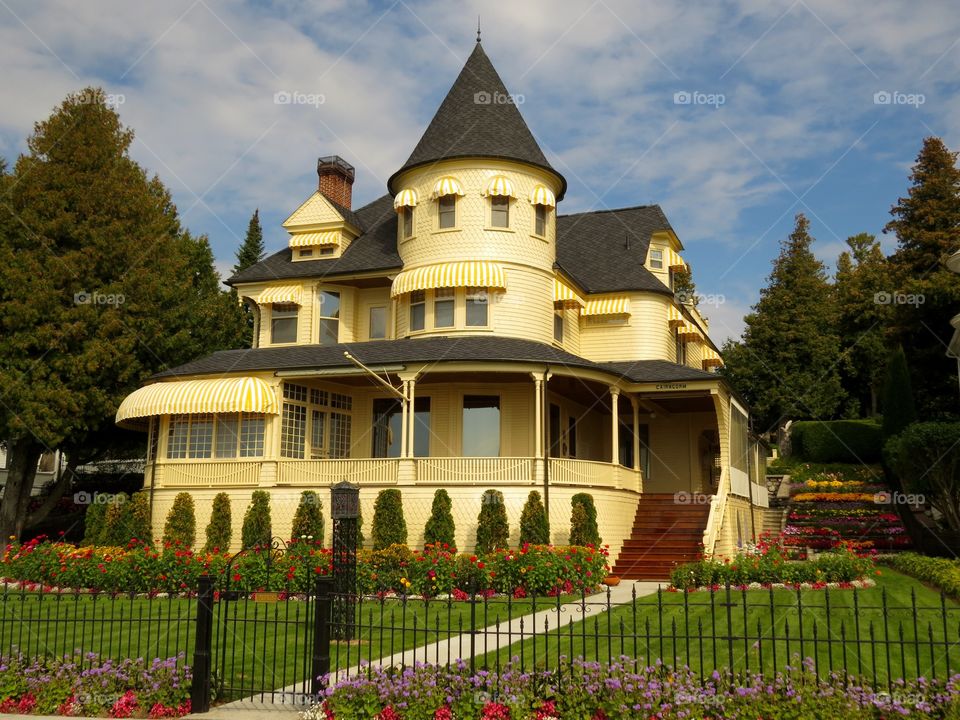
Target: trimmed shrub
(840,441)
(898,406)
(257,527)
(534,525)
(360,537)
(493,530)
(389,527)
(440,529)
(93,523)
(308,520)
(926,457)
(220,528)
(942,573)
(583,521)
(114,531)
(137,517)
(181,525)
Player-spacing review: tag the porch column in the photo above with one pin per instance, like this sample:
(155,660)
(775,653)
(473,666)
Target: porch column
(411,416)
(636,432)
(404,420)
(538,415)
(615,425)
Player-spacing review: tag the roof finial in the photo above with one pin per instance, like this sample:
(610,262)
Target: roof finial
(478,28)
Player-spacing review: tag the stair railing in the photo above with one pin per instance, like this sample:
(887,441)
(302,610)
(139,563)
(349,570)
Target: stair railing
(718,508)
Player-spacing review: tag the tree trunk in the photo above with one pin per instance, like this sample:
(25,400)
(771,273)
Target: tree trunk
(24,456)
(64,481)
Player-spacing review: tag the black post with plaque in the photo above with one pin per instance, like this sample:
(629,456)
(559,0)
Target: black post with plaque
(345,511)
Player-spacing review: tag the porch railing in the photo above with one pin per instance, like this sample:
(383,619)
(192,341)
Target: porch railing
(375,471)
(192,473)
(567,471)
(474,470)
(718,508)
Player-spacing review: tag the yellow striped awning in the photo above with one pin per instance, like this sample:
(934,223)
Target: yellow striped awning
(447,186)
(280,294)
(711,358)
(675,317)
(542,195)
(313,239)
(405,198)
(608,306)
(675,262)
(499,186)
(473,273)
(688,332)
(192,397)
(566,295)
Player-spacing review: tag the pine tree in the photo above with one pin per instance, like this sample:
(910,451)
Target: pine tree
(534,524)
(787,363)
(252,250)
(220,528)
(926,223)
(257,531)
(389,527)
(899,410)
(181,525)
(308,522)
(440,529)
(493,530)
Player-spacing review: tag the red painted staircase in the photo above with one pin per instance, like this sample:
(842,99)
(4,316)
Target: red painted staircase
(665,533)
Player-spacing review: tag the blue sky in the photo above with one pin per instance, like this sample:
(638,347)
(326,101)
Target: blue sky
(784,113)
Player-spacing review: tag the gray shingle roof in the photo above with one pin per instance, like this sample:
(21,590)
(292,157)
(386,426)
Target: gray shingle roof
(605,250)
(467,126)
(434,349)
(375,249)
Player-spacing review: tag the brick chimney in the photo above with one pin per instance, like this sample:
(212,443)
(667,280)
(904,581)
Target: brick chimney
(336,179)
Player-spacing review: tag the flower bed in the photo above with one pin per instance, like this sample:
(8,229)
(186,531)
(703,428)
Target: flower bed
(138,568)
(768,565)
(91,686)
(594,691)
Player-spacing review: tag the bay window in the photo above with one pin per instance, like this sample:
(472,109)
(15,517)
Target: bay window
(227,435)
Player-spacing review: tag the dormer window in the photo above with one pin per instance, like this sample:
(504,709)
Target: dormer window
(656,259)
(447,212)
(500,211)
(283,324)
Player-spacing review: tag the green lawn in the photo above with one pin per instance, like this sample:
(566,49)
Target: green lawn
(761,628)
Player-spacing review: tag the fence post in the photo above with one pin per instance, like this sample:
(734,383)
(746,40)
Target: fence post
(321,635)
(473,627)
(200,688)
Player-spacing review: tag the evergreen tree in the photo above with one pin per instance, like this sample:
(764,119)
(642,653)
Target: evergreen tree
(93,520)
(137,517)
(308,520)
(493,530)
(114,532)
(899,410)
(534,524)
(181,525)
(440,528)
(220,528)
(787,363)
(257,531)
(863,285)
(583,521)
(927,225)
(252,250)
(389,527)
(101,288)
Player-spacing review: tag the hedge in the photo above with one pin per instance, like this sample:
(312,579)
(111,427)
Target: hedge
(926,457)
(942,573)
(843,441)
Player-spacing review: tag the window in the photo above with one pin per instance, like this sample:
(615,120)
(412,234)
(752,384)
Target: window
(306,252)
(681,350)
(293,427)
(318,429)
(339,435)
(418,309)
(283,324)
(656,259)
(477,307)
(152,444)
(215,436)
(481,426)
(388,422)
(317,437)
(540,220)
(407,222)
(329,317)
(625,451)
(378,322)
(447,212)
(571,436)
(558,325)
(327,250)
(443,306)
(500,211)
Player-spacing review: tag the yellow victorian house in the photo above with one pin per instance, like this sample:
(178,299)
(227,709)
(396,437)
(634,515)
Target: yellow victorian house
(460,333)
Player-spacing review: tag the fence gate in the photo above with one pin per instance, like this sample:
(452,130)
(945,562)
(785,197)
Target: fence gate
(264,647)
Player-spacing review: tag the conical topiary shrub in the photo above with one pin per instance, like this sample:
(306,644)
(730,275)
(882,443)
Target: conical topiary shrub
(493,531)
(220,527)
(440,529)
(114,531)
(389,527)
(93,521)
(257,529)
(534,526)
(181,526)
(583,523)
(308,520)
(136,517)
